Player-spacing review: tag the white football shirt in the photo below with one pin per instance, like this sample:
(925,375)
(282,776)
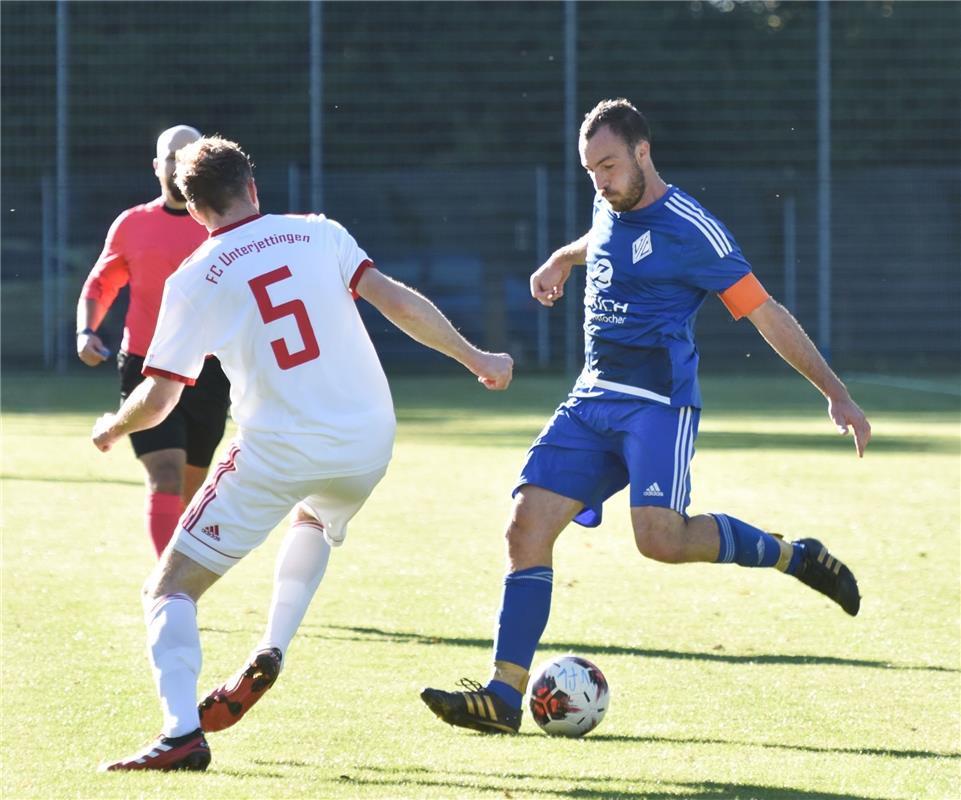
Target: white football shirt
(272,297)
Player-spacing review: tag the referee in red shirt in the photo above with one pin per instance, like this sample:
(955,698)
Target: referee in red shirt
(144,246)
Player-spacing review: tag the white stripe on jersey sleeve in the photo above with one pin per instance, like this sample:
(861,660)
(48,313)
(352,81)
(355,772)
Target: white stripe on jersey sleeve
(719,246)
(709,221)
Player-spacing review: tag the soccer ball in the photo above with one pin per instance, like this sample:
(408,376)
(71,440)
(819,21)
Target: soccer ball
(569,696)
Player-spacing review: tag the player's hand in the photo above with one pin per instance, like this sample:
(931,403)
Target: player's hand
(103,437)
(494,370)
(91,349)
(547,282)
(845,412)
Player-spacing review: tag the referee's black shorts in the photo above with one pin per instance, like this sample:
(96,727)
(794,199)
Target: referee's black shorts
(196,423)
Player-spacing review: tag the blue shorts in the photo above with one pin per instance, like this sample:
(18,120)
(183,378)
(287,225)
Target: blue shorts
(591,449)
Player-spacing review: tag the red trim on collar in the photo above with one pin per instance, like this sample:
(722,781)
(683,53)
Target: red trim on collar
(226,228)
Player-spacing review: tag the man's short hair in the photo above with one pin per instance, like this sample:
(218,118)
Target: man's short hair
(621,117)
(213,172)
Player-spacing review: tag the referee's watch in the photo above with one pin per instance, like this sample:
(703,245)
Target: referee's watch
(86,332)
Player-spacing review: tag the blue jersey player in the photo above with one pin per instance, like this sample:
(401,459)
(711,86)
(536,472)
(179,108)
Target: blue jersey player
(653,255)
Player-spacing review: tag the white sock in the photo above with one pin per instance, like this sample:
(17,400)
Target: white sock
(173,647)
(300,566)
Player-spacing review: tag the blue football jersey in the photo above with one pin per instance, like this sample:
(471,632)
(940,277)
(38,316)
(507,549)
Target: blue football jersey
(648,272)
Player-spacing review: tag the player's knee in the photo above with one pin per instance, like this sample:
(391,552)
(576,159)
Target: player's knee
(165,482)
(658,544)
(164,579)
(164,475)
(526,547)
(155,586)
(516,535)
(659,534)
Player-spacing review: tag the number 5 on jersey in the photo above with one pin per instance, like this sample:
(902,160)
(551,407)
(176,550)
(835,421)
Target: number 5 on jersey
(292,308)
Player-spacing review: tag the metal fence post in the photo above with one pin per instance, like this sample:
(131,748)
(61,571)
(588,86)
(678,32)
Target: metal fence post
(293,188)
(543,313)
(316,106)
(570,173)
(48,290)
(790,251)
(63,186)
(824,178)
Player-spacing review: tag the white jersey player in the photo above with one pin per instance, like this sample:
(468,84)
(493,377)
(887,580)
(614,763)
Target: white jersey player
(273,297)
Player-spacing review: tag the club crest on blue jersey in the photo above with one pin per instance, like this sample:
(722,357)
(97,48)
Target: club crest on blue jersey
(642,247)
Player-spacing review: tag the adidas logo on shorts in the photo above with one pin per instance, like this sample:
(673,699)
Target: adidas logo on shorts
(213,531)
(653,491)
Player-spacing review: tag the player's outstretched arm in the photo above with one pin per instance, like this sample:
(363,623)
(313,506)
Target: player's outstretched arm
(146,406)
(420,319)
(547,281)
(787,337)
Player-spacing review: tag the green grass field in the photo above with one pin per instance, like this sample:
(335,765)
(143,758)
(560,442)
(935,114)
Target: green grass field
(726,682)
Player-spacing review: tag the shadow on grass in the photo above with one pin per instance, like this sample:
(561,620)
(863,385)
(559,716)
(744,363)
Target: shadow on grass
(356,633)
(285,762)
(62,480)
(246,774)
(854,751)
(501,784)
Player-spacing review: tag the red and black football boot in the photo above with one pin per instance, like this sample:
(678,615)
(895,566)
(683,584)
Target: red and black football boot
(187,752)
(226,705)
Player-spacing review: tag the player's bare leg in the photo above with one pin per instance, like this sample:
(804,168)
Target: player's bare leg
(537,519)
(164,504)
(177,573)
(164,470)
(193,479)
(173,645)
(664,535)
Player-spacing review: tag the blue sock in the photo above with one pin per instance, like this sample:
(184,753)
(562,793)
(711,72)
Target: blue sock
(748,546)
(522,619)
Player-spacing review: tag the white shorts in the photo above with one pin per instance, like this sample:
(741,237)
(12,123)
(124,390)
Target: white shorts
(238,506)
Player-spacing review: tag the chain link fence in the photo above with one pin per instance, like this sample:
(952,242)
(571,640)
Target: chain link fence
(440,135)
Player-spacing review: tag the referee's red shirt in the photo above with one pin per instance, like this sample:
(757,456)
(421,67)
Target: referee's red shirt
(144,246)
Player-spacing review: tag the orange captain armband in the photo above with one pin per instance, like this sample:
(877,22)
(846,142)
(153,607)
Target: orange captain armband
(744,296)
